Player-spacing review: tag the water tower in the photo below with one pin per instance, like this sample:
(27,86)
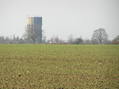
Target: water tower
(35,26)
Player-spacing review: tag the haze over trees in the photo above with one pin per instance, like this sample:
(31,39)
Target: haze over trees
(99,36)
(116,40)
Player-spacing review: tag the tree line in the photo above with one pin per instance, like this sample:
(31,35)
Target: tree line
(99,36)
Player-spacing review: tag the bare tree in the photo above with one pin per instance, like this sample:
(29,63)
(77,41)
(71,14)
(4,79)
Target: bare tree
(30,34)
(56,40)
(99,36)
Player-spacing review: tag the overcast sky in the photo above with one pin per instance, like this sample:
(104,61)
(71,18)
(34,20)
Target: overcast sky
(61,17)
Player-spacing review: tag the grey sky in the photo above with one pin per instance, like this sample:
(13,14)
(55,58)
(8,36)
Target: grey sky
(61,17)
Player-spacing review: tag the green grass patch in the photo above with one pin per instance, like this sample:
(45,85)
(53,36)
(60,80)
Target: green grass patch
(46,66)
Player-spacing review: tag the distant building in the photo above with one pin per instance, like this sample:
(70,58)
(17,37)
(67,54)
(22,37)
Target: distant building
(35,25)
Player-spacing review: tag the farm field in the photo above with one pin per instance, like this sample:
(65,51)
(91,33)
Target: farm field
(51,66)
